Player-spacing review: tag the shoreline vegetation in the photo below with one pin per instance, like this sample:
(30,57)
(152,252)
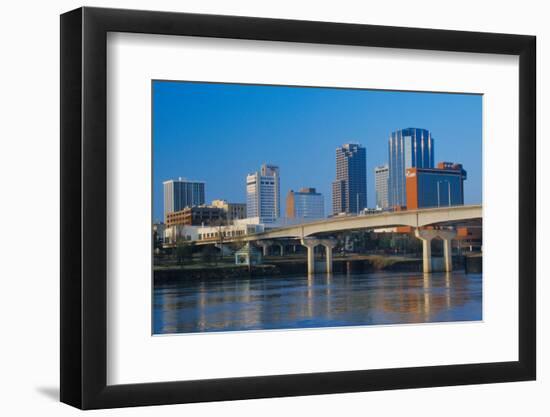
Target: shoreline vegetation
(223,268)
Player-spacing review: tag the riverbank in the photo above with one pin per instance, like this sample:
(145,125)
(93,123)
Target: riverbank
(286,267)
(274,266)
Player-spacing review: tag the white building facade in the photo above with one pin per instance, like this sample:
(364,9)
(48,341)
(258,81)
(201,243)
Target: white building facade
(381,178)
(263,194)
(176,233)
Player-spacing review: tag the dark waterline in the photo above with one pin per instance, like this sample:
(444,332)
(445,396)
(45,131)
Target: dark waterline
(320,301)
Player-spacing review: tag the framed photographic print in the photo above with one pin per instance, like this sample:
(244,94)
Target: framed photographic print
(258,207)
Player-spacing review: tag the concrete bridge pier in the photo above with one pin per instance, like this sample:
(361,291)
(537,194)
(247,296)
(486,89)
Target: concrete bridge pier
(426,236)
(329,244)
(426,251)
(448,254)
(264,244)
(310,244)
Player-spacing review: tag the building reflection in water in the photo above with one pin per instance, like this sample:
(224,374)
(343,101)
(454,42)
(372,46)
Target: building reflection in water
(426,280)
(323,300)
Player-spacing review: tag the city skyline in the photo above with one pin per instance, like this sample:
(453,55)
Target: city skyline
(232,129)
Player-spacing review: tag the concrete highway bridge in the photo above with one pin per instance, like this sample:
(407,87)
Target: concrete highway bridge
(313,234)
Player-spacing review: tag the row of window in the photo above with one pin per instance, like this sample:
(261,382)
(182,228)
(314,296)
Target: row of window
(226,233)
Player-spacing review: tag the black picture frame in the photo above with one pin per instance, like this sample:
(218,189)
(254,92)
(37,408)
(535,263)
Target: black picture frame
(84,207)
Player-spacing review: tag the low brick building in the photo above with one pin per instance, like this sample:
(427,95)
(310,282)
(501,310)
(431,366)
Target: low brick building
(195,216)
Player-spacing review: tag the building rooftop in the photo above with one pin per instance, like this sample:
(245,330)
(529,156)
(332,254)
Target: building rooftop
(183,179)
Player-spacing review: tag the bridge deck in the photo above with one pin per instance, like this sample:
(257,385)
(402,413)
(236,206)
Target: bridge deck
(413,218)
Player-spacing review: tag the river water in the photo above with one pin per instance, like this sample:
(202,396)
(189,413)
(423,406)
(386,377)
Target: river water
(318,301)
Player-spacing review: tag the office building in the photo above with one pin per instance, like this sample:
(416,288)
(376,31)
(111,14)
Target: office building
(263,194)
(182,193)
(210,233)
(233,211)
(349,190)
(408,148)
(305,204)
(435,187)
(196,216)
(381,180)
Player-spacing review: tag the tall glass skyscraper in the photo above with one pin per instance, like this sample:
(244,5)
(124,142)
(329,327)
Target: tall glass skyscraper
(408,148)
(182,193)
(349,190)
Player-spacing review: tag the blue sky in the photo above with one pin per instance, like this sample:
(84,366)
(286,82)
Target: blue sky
(220,132)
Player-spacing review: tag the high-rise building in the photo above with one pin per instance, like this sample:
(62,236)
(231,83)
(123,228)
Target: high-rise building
(263,194)
(408,148)
(381,180)
(435,187)
(233,211)
(305,204)
(182,193)
(349,190)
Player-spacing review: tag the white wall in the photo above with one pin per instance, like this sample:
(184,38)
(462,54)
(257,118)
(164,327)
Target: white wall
(30,155)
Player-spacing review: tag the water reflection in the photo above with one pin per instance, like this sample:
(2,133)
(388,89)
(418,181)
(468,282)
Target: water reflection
(323,300)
